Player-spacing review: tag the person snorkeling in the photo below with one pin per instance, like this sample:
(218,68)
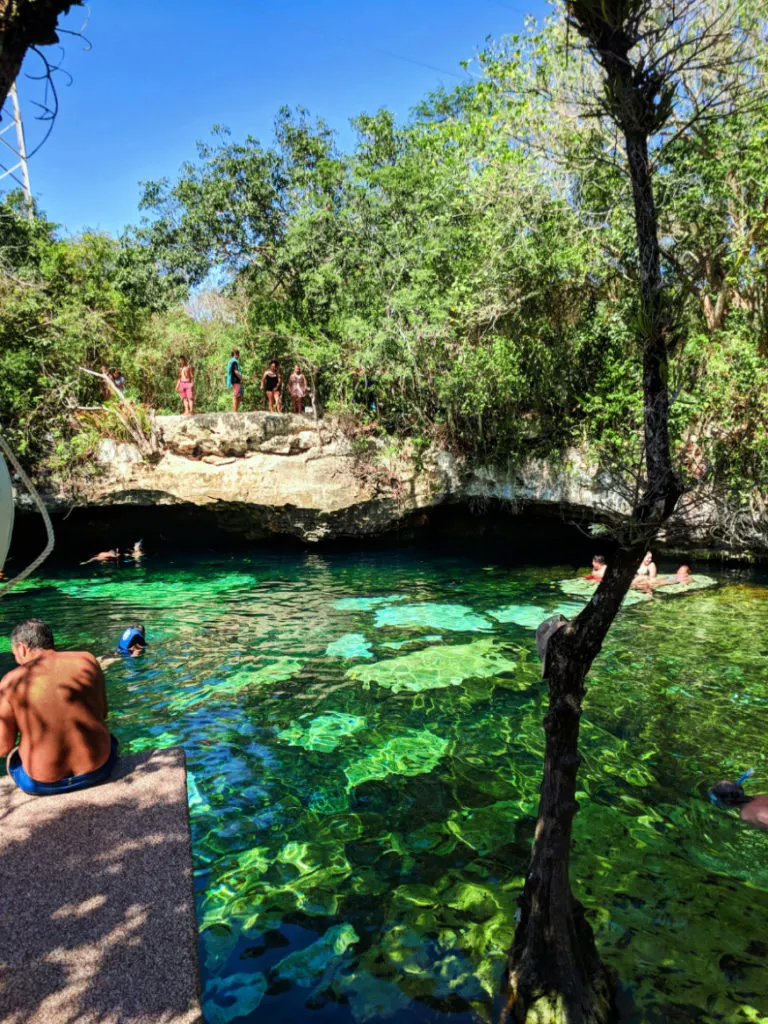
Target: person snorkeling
(752,809)
(132,641)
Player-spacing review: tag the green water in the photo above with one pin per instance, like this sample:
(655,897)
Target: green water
(364,741)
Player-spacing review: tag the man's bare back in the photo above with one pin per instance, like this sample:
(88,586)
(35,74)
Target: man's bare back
(57,700)
(756,811)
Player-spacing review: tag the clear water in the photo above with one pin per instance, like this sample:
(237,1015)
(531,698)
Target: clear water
(364,742)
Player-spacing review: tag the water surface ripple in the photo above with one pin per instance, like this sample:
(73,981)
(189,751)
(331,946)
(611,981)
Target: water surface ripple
(364,743)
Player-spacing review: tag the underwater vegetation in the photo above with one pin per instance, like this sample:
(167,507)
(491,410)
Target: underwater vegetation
(324,732)
(435,667)
(412,753)
(361,823)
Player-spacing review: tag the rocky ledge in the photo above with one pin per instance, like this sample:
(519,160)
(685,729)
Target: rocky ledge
(263,474)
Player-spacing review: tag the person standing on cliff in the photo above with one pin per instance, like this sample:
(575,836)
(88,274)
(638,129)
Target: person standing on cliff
(235,379)
(271,383)
(297,389)
(185,386)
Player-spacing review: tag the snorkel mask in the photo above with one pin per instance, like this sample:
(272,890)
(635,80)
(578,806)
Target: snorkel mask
(717,802)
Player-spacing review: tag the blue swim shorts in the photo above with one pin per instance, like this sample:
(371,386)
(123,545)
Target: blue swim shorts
(67,785)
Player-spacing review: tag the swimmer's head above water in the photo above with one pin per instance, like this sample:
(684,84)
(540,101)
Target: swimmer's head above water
(753,810)
(731,794)
(728,794)
(133,640)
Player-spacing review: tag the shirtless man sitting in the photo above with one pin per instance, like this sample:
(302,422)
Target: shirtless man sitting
(57,700)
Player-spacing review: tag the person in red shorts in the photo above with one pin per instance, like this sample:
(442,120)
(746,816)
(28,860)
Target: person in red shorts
(598,569)
(185,386)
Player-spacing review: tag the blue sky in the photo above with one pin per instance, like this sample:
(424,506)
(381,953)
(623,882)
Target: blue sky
(161,72)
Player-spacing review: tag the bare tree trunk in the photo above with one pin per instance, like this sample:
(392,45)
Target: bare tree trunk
(662,489)
(25,23)
(555,975)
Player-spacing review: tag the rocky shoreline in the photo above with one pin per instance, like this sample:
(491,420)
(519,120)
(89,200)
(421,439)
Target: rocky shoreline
(262,475)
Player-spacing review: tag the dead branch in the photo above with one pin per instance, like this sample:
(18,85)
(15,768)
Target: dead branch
(146,441)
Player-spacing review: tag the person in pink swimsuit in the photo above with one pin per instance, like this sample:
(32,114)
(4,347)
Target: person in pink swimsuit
(185,386)
(297,389)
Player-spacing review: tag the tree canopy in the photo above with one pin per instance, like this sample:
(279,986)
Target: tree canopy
(476,264)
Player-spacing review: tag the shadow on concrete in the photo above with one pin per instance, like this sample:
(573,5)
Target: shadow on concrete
(98,906)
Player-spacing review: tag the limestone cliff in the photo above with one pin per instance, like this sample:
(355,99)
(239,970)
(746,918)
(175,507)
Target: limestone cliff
(264,474)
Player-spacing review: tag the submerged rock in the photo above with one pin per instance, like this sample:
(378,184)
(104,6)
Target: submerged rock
(527,615)
(586,588)
(308,966)
(370,997)
(434,667)
(486,828)
(324,732)
(351,645)
(277,671)
(365,604)
(195,798)
(457,617)
(396,645)
(235,995)
(413,753)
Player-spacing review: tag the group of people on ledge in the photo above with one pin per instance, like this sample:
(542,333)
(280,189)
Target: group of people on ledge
(647,576)
(271,384)
(57,702)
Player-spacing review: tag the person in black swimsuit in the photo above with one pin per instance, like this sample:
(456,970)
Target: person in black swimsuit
(272,383)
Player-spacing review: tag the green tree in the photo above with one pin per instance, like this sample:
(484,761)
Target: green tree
(646,55)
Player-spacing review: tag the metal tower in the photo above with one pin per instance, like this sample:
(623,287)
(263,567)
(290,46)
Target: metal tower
(13,149)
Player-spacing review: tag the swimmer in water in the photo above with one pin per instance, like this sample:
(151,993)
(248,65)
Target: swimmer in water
(598,569)
(133,641)
(752,809)
(104,556)
(137,551)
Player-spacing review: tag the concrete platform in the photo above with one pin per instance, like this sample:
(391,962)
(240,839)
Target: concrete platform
(96,901)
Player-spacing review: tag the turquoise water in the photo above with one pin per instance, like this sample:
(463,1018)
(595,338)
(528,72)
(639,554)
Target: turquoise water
(363,735)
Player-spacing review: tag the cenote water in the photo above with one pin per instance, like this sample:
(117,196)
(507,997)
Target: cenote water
(364,742)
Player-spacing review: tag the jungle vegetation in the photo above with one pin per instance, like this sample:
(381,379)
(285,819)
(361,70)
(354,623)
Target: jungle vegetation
(569,250)
(476,265)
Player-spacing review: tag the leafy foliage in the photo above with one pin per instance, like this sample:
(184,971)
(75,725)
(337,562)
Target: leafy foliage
(467,276)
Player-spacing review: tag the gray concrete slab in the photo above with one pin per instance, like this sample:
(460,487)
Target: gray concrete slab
(96,901)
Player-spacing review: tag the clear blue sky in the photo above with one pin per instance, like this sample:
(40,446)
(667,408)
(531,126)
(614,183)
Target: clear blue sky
(161,72)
